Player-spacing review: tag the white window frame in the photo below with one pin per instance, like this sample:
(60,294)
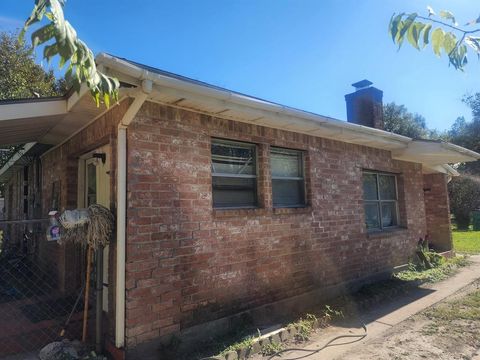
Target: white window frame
(246,145)
(380,201)
(293,178)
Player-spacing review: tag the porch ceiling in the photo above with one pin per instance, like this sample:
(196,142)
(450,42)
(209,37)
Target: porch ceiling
(45,120)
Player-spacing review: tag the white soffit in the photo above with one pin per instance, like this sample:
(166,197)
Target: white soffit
(46,121)
(23,109)
(24,121)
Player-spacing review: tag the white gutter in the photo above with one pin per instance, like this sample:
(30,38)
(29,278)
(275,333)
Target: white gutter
(472,154)
(128,117)
(225,95)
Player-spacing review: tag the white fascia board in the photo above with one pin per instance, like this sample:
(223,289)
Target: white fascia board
(33,109)
(191,89)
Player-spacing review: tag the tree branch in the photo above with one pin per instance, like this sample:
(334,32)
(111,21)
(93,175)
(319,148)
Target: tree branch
(465,32)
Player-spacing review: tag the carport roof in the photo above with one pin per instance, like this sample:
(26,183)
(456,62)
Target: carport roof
(44,120)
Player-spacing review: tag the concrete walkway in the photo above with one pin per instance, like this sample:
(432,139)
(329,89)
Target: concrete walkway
(387,315)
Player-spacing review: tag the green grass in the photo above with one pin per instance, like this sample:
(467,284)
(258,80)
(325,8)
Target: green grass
(466,241)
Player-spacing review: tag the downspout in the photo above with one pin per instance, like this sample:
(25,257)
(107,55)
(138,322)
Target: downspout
(128,117)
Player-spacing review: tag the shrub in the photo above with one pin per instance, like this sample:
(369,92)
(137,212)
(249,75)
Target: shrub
(464,194)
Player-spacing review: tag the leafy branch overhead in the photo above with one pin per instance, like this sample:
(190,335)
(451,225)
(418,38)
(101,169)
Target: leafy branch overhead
(447,37)
(60,38)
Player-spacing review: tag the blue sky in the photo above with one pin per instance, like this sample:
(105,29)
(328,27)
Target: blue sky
(301,53)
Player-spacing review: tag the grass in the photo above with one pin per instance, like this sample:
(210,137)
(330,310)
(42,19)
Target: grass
(466,241)
(445,269)
(306,326)
(465,308)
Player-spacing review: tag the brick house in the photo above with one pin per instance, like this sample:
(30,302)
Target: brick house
(224,203)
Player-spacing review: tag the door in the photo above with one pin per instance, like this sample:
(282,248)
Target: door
(95,189)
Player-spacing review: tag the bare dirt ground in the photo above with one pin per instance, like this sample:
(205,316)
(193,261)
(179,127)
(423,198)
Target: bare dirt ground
(448,331)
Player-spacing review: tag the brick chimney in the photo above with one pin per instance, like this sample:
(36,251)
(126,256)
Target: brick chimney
(365,106)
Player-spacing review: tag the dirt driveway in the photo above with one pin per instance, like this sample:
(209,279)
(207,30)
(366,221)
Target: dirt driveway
(449,330)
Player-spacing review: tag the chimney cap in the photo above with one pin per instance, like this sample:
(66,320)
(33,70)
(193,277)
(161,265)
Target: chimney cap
(362,84)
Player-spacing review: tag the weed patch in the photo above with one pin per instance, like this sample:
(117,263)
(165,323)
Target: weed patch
(244,343)
(442,270)
(272,348)
(305,327)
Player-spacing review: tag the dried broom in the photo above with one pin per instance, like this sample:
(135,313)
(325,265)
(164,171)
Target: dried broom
(90,227)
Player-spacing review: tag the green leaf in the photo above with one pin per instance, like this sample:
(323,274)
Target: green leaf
(70,49)
(62,62)
(106,99)
(426,33)
(43,35)
(448,16)
(394,25)
(413,35)
(50,51)
(37,14)
(406,25)
(449,42)
(458,56)
(438,36)
(474,43)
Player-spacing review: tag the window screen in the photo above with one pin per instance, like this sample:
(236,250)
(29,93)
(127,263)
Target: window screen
(288,183)
(234,174)
(380,200)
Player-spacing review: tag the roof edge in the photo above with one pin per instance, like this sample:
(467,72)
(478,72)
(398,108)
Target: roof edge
(194,86)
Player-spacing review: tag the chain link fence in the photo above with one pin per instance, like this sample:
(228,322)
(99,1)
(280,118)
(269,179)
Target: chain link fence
(41,291)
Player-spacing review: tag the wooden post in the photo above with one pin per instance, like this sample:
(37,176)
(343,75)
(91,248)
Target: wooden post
(87,293)
(99,305)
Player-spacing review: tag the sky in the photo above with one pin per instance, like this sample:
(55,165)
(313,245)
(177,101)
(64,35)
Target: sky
(300,53)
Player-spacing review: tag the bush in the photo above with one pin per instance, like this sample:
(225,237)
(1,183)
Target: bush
(464,194)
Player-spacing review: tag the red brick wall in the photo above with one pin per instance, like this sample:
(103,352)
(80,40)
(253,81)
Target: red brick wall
(437,210)
(61,165)
(188,263)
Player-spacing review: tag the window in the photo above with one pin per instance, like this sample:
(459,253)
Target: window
(234,174)
(288,184)
(380,200)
